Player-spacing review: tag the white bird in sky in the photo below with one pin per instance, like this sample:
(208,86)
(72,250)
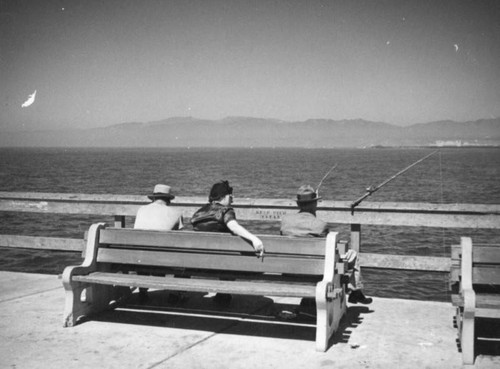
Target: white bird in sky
(456,47)
(31,100)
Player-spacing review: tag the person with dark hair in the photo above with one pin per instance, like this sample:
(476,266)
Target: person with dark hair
(218,216)
(305,224)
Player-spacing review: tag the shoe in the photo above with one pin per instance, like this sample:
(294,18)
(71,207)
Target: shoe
(358,296)
(287,315)
(223,299)
(143,295)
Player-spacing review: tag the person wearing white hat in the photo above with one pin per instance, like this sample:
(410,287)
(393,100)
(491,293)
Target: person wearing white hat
(159,215)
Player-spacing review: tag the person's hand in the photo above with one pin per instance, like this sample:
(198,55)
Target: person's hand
(259,247)
(350,256)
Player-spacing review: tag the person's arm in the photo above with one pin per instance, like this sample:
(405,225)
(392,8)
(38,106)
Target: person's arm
(179,224)
(238,230)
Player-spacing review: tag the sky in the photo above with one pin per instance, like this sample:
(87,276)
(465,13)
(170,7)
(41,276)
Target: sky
(98,63)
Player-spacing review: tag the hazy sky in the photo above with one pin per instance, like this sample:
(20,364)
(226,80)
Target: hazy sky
(96,63)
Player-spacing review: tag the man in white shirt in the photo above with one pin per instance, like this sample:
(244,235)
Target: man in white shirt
(159,215)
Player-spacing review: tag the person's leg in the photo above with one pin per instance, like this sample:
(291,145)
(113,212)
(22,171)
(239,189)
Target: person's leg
(356,285)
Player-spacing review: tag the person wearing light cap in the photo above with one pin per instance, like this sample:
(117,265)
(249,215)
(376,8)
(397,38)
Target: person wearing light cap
(159,215)
(219,216)
(305,224)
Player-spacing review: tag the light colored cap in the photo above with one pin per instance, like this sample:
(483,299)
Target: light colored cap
(307,194)
(162,191)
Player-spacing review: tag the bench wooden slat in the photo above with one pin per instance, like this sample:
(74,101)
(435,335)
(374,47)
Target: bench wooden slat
(210,241)
(200,285)
(486,275)
(488,312)
(481,254)
(212,261)
(484,300)
(486,254)
(488,301)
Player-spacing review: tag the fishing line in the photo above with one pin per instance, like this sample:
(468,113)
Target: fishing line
(443,230)
(442,194)
(324,177)
(441,177)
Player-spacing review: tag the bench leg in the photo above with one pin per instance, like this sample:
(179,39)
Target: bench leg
(97,298)
(467,333)
(331,306)
(74,307)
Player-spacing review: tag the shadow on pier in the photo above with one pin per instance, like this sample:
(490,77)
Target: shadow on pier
(245,316)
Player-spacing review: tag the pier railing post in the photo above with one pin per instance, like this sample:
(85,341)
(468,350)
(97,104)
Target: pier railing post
(356,246)
(356,237)
(119,221)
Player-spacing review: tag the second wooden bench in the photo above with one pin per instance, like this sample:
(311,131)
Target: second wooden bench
(475,283)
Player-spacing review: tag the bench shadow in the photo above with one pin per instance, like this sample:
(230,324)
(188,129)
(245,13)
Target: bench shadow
(246,315)
(488,332)
(350,321)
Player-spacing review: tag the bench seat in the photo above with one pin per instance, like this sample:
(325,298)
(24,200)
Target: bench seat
(238,287)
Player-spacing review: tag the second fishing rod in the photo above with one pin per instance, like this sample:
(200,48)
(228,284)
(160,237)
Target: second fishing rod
(370,190)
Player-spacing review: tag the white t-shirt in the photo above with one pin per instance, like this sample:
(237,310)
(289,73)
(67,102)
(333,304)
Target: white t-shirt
(158,216)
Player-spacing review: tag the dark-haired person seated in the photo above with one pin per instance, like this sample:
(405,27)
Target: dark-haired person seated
(218,216)
(306,224)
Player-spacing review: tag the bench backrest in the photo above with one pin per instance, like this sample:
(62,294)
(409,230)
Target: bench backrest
(486,264)
(212,251)
(485,261)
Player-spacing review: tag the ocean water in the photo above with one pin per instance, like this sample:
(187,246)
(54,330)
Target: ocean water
(453,175)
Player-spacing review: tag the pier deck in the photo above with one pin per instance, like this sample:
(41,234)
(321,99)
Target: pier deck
(390,333)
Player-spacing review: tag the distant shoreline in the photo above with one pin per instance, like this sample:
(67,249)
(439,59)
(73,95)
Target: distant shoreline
(436,147)
(212,148)
(254,132)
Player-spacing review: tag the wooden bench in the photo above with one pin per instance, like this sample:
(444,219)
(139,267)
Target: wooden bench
(119,258)
(475,284)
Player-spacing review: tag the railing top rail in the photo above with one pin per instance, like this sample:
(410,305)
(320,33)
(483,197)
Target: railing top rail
(369,213)
(325,205)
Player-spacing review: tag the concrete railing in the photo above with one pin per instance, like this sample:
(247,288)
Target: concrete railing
(388,214)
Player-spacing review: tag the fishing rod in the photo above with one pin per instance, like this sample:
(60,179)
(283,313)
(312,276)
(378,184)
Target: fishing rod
(372,189)
(324,177)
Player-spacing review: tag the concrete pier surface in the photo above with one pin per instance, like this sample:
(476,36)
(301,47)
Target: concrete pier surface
(195,333)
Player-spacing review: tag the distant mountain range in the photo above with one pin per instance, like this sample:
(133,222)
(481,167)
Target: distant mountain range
(257,132)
